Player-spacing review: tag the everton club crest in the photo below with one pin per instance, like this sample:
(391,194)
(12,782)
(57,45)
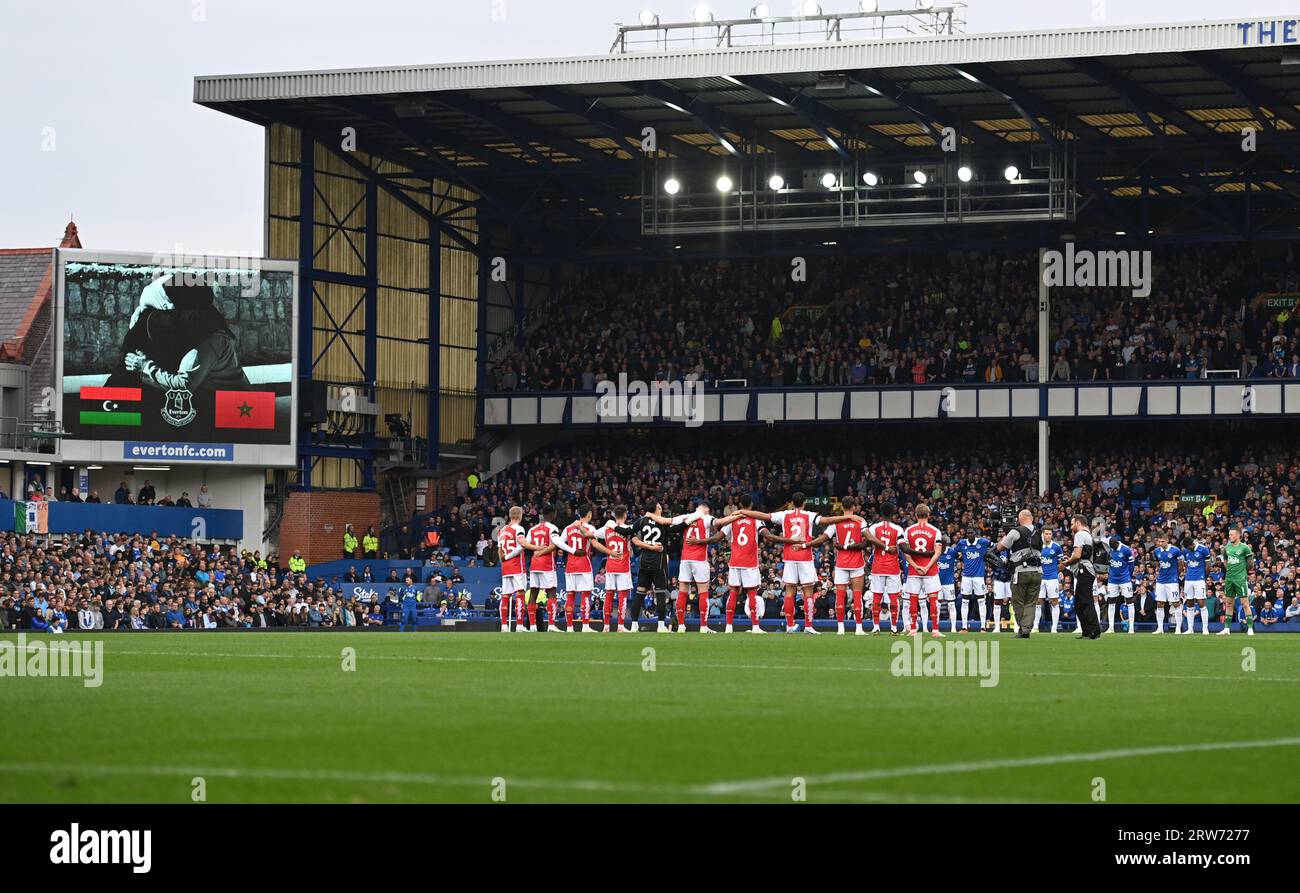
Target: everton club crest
(178,408)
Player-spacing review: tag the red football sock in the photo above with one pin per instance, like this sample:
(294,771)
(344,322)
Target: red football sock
(789,611)
(681,608)
(731,604)
(568,607)
(505,610)
(532,614)
(752,595)
(551,613)
(809,609)
(914,603)
(839,603)
(934,614)
(875,609)
(586,608)
(895,608)
(857,607)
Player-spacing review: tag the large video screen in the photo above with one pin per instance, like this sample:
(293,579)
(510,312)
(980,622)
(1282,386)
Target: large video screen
(191,360)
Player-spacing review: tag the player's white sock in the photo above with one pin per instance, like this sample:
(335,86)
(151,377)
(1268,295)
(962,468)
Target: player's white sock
(1110,617)
(984,612)
(1056,615)
(952,615)
(1205,619)
(1160,619)
(965,613)
(1038,617)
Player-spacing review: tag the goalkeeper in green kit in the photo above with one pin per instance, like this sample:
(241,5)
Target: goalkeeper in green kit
(1236,559)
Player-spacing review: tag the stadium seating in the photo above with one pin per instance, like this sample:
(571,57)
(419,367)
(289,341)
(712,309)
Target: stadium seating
(905,319)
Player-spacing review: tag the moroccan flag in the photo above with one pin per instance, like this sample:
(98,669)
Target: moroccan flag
(245,409)
(111,406)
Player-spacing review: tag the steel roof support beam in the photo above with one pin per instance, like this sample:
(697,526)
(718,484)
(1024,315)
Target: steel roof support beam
(1019,103)
(618,127)
(404,128)
(517,132)
(1249,91)
(711,118)
(1142,101)
(816,115)
(921,110)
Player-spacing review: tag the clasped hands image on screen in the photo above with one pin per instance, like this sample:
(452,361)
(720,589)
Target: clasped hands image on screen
(161,353)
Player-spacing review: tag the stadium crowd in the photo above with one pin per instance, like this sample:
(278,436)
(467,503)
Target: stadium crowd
(970,476)
(37,491)
(100,581)
(905,319)
(969,483)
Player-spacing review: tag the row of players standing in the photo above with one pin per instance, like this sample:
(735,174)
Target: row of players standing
(909,566)
(523,589)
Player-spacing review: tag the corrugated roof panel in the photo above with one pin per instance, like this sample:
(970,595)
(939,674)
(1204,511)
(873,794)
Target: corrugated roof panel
(1114,40)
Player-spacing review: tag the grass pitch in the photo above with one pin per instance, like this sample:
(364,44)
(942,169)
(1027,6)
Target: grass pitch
(272,717)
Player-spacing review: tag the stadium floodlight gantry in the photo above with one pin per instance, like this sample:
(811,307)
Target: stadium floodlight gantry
(431,206)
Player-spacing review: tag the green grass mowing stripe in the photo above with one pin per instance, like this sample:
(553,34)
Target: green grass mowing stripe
(121,419)
(575,719)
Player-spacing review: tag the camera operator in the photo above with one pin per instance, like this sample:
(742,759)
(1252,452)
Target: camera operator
(1081,565)
(1025,543)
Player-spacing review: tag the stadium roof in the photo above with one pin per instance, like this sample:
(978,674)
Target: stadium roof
(1148,111)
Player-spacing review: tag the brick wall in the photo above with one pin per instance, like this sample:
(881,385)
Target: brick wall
(313,522)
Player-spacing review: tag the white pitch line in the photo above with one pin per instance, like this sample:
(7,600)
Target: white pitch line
(758,784)
(635,662)
(413,778)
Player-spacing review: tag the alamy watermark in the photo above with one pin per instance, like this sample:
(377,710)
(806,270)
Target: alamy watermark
(40,659)
(90,847)
(624,397)
(1083,268)
(930,657)
(211,270)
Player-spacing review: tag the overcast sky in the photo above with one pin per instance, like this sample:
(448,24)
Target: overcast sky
(97,119)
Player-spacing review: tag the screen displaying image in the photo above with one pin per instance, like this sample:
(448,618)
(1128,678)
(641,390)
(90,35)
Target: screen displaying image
(196,355)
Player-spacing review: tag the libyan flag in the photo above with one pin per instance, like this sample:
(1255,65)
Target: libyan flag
(245,409)
(111,406)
